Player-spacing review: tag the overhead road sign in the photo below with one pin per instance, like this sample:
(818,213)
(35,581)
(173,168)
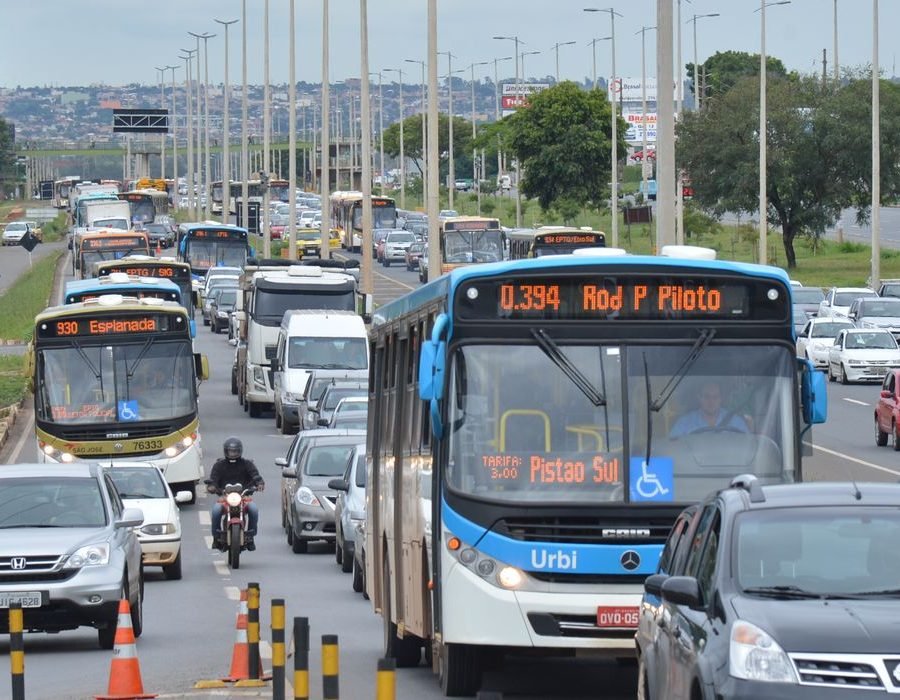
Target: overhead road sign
(141,121)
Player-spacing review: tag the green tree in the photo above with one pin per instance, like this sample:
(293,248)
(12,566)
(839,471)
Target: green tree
(817,158)
(563,141)
(7,156)
(722,71)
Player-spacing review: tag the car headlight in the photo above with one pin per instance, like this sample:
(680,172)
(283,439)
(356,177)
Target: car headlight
(158,529)
(307,497)
(89,555)
(180,446)
(857,363)
(754,656)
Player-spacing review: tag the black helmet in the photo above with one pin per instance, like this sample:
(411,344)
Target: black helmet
(233,448)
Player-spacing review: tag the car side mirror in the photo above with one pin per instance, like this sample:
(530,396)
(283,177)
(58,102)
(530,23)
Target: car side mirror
(653,584)
(183,497)
(338,485)
(682,590)
(886,394)
(281,462)
(323,422)
(289,472)
(131,517)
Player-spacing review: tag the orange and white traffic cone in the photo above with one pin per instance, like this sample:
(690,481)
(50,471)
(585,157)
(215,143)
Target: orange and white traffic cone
(240,655)
(125,671)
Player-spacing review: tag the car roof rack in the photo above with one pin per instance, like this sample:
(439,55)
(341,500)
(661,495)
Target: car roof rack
(750,484)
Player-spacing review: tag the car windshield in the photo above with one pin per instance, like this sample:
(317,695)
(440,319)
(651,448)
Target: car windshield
(823,551)
(807,295)
(227,297)
(15,228)
(885,307)
(890,290)
(327,460)
(156,228)
(349,423)
(306,352)
(554,439)
(138,482)
(828,330)
(49,501)
(401,238)
(847,298)
(870,341)
(353,404)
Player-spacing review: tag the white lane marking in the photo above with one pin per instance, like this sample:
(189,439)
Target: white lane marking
(203,515)
(28,431)
(835,453)
(858,403)
(222,569)
(232,592)
(279,435)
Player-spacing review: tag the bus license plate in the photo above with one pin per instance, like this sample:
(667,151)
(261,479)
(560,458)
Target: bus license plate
(27,599)
(617,616)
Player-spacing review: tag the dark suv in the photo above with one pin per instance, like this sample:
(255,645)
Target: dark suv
(787,591)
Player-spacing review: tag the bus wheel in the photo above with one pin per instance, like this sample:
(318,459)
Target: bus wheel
(459,670)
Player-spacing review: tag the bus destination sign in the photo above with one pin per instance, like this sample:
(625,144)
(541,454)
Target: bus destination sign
(104,325)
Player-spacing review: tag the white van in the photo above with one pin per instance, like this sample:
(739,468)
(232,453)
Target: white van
(311,339)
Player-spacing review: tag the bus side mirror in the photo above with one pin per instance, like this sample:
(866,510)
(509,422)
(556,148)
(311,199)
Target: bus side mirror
(193,325)
(813,393)
(201,364)
(432,362)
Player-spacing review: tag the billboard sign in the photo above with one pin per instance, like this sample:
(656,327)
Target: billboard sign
(515,96)
(629,90)
(635,121)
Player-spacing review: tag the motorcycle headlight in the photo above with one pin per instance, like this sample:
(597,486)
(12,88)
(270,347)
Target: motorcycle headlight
(89,555)
(307,497)
(158,529)
(754,656)
(233,499)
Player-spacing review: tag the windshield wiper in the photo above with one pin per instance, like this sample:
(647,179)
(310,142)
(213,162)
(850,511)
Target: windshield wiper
(784,592)
(885,592)
(697,349)
(556,355)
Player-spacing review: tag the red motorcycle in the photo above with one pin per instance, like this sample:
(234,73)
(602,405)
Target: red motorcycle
(234,523)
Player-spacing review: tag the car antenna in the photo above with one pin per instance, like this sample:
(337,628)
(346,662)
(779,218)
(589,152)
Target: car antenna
(857,494)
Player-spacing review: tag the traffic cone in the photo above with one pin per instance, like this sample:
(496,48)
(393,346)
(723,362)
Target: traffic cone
(240,654)
(125,671)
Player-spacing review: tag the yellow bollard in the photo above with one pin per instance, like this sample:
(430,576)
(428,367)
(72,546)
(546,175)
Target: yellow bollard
(330,684)
(17,651)
(278,649)
(385,685)
(301,658)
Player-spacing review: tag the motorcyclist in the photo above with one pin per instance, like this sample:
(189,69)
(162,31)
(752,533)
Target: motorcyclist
(233,469)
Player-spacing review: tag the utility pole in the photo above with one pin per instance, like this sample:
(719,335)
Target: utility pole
(292,137)
(189,126)
(451,184)
(665,130)
(434,244)
(226,135)
(245,147)
(476,181)
(424,149)
(267,137)
(399,72)
(367,285)
(326,139)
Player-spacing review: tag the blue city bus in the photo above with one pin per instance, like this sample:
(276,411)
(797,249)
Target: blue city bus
(530,442)
(124,284)
(208,244)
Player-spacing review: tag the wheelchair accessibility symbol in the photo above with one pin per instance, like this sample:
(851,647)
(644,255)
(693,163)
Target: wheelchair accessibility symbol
(128,411)
(651,481)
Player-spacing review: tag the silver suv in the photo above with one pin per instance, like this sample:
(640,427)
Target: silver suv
(67,550)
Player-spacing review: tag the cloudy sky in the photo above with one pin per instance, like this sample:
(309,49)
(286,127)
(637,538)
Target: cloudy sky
(54,42)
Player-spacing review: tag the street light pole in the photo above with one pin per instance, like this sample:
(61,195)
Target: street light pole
(399,72)
(434,244)
(451,185)
(205,146)
(326,140)
(292,140)
(367,283)
(245,148)
(516,98)
(424,135)
(476,181)
(497,114)
(267,137)
(876,153)
(614,169)
(556,48)
(188,127)
(162,137)
(174,137)
(665,127)
(763,136)
(226,135)
(837,67)
(644,157)
(697,96)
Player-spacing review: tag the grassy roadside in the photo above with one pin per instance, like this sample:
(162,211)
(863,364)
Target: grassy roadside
(27,297)
(12,379)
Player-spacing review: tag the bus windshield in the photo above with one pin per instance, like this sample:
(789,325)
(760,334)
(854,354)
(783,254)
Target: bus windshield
(206,253)
(382,217)
(578,432)
(135,382)
(473,246)
(142,209)
(90,257)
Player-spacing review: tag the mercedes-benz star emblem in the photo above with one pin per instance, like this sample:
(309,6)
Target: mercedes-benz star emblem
(630,560)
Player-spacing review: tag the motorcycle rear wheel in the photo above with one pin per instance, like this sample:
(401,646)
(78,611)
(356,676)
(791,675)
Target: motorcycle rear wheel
(234,547)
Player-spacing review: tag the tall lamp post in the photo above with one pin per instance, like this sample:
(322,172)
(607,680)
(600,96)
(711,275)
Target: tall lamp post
(367,286)
(424,134)
(226,134)
(517,97)
(476,181)
(876,153)
(834,59)
(693,20)
(556,49)
(174,136)
(644,156)
(614,169)
(267,137)
(497,114)
(206,165)
(326,138)
(292,139)
(399,72)
(763,136)
(451,184)
(434,250)
(189,129)
(593,44)
(162,137)
(380,129)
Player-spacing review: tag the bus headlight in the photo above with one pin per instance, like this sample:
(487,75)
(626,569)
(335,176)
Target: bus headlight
(510,577)
(55,454)
(180,446)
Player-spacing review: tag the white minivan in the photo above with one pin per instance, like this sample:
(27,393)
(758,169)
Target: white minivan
(309,340)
